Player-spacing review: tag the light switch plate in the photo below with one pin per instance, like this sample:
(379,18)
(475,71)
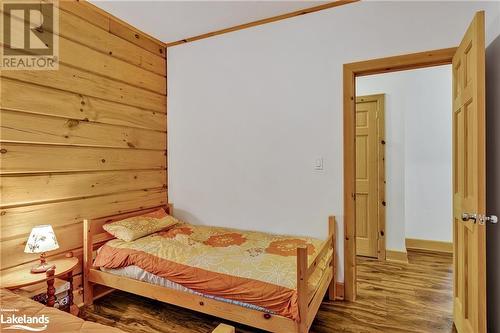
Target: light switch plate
(318,163)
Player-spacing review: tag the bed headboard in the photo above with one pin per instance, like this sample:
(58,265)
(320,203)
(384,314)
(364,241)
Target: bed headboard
(94,236)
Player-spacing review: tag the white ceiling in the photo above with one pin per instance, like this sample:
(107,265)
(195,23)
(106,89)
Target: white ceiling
(170,21)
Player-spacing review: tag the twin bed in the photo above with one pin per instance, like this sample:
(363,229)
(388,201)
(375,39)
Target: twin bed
(267,281)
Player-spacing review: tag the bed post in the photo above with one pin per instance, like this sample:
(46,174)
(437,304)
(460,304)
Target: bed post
(302,287)
(88,290)
(332,293)
(170,209)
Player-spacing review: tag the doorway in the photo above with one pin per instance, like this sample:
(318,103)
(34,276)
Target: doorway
(396,171)
(351,72)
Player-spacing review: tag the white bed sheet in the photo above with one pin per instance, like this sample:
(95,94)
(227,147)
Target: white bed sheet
(137,273)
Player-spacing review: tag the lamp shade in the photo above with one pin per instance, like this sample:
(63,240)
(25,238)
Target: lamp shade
(41,239)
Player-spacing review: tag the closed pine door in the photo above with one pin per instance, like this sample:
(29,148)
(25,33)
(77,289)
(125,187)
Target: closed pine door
(368,112)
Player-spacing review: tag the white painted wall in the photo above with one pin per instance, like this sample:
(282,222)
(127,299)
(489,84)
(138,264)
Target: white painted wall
(249,111)
(418,152)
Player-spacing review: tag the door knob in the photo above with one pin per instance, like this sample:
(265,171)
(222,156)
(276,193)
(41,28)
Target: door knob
(466,217)
(492,219)
(482,219)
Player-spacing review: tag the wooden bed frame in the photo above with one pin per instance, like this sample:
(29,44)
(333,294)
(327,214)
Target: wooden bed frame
(94,236)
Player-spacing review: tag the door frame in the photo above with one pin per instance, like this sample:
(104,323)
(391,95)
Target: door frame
(350,72)
(380,100)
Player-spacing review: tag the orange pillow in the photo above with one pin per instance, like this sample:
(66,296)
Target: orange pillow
(136,227)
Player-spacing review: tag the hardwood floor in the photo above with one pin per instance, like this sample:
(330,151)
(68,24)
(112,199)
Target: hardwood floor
(392,297)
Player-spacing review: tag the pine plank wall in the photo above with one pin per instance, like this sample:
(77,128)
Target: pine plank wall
(86,141)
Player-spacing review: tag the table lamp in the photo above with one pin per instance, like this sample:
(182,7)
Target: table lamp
(41,240)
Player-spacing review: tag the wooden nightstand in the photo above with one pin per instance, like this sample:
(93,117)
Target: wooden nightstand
(16,279)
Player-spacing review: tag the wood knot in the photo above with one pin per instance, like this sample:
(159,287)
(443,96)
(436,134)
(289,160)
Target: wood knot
(3,151)
(103,160)
(136,35)
(72,123)
(201,303)
(267,316)
(130,144)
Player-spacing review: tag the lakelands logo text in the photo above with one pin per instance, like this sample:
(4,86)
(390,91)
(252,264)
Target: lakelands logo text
(30,35)
(12,321)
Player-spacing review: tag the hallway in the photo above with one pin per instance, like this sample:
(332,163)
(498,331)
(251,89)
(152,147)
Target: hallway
(396,297)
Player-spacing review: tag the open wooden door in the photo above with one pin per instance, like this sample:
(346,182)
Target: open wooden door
(469,185)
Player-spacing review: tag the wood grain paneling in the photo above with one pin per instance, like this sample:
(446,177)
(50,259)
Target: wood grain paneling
(125,32)
(76,54)
(76,29)
(31,128)
(79,56)
(27,189)
(22,96)
(23,158)
(114,25)
(91,84)
(85,141)
(85,25)
(90,15)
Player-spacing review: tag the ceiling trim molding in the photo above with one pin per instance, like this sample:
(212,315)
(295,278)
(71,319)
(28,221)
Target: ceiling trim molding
(262,21)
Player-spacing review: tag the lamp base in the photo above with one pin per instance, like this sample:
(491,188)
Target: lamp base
(42,268)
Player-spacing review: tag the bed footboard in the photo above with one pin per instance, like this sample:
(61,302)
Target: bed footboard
(309,305)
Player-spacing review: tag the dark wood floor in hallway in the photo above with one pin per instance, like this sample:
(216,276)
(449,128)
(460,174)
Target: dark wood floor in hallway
(392,297)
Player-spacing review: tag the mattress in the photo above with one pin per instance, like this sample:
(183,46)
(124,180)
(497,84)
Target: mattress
(241,267)
(137,273)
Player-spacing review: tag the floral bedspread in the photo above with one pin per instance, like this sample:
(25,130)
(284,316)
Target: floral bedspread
(251,267)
